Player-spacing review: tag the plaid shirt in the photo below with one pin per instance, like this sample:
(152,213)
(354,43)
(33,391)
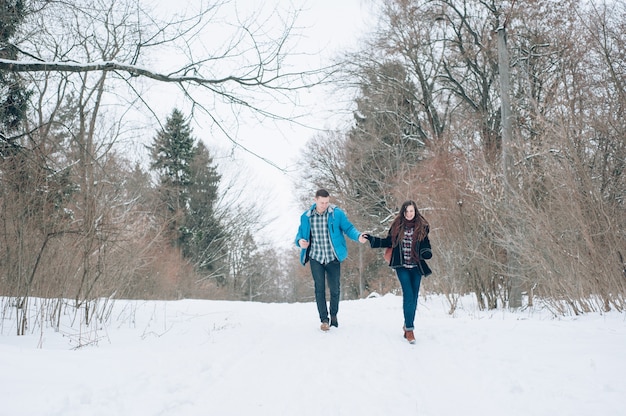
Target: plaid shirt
(321,248)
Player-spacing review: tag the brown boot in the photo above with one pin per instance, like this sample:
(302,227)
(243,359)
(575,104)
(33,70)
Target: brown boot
(325,327)
(409,336)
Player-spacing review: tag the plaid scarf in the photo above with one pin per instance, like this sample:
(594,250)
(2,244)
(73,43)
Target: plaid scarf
(407,245)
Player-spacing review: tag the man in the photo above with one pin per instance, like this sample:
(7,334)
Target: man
(321,238)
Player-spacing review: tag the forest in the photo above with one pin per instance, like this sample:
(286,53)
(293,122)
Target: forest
(504,120)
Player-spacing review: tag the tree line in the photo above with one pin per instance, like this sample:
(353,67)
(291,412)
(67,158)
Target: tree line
(82,221)
(428,126)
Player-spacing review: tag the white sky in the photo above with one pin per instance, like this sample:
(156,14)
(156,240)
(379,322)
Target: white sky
(329,26)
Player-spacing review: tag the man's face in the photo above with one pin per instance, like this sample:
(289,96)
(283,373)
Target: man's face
(322,203)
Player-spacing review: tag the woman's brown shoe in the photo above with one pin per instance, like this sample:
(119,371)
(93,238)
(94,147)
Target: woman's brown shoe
(408,335)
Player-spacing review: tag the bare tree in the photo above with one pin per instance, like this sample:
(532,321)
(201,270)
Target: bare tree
(87,65)
(127,44)
(563,224)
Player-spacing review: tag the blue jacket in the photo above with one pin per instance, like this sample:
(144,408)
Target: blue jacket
(338,225)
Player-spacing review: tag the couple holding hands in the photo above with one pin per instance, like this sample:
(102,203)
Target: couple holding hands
(321,240)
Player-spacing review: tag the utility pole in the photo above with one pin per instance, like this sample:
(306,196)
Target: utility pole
(515,293)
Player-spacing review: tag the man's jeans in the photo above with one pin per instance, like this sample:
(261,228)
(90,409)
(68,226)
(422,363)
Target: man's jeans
(322,272)
(410,280)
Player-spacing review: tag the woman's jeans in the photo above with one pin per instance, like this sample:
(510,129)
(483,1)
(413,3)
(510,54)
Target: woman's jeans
(410,280)
(322,272)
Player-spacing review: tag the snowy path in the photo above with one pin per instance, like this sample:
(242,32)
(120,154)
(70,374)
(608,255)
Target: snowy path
(235,358)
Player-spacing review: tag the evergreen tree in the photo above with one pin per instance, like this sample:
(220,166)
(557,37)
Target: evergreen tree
(203,235)
(188,184)
(13,97)
(172,152)
(387,139)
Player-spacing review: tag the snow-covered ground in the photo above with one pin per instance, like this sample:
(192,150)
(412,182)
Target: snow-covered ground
(194,357)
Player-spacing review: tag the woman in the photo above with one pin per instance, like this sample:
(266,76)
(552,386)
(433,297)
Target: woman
(410,246)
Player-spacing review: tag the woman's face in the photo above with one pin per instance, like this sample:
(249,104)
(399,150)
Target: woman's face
(409,212)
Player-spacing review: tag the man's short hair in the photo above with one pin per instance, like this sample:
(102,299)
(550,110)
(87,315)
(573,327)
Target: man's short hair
(322,192)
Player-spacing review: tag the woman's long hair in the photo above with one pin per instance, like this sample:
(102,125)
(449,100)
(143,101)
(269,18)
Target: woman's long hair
(419,224)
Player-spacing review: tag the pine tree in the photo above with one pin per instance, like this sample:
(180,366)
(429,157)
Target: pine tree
(172,152)
(203,236)
(387,137)
(13,97)
(188,183)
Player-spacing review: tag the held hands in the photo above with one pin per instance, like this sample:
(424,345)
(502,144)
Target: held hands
(304,243)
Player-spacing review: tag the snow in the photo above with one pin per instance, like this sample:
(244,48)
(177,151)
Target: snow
(200,357)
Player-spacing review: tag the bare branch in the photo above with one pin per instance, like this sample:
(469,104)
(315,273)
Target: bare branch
(134,71)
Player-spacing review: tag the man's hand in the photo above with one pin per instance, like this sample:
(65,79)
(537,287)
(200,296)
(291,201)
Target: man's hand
(304,243)
(363,238)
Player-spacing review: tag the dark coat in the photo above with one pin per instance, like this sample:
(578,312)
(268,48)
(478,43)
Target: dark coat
(422,249)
